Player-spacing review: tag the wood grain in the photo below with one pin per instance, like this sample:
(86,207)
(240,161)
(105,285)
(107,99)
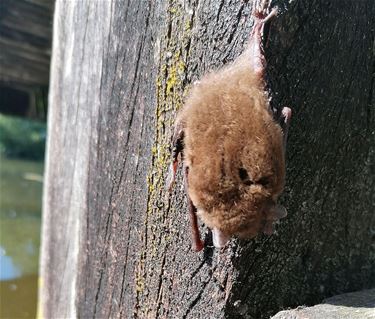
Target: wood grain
(116,246)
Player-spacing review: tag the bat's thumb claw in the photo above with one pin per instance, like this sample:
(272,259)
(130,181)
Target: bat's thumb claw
(286,113)
(169,183)
(274,13)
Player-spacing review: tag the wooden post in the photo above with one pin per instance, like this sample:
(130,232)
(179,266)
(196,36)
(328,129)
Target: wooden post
(115,245)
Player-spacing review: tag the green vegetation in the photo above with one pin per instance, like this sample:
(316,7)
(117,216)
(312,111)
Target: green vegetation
(22,143)
(20,215)
(20,211)
(22,138)
(20,187)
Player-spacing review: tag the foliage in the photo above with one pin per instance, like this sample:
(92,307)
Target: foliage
(20,177)
(22,138)
(20,215)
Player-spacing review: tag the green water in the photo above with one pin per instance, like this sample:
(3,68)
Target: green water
(20,215)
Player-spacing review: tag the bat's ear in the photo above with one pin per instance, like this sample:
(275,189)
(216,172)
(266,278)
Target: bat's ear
(277,212)
(274,213)
(269,228)
(219,238)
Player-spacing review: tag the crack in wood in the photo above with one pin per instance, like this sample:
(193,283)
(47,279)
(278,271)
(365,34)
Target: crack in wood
(159,290)
(195,272)
(196,299)
(370,98)
(154,227)
(235,25)
(97,293)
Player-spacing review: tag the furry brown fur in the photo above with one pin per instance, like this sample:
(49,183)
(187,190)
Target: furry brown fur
(234,150)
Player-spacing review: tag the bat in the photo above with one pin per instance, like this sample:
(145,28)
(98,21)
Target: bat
(232,147)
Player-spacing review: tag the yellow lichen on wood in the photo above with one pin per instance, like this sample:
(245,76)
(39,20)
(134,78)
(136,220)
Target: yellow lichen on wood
(170,93)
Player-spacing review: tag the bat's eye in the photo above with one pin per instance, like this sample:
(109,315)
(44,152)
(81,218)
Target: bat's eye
(264,181)
(245,177)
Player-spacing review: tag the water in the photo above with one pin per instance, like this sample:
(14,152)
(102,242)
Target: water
(20,215)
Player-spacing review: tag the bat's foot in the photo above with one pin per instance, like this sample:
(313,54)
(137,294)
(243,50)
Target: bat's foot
(285,118)
(261,14)
(261,11)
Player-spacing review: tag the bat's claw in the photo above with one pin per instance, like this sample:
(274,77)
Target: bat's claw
(286,114)
(261,11)
(171,177)
(274,12)
(285,118)
(261,5)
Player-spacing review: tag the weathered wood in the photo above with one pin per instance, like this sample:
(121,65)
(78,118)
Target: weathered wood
(116,246)
(355,305)
(25,41)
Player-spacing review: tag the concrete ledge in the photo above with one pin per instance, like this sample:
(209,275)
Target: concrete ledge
(355,305)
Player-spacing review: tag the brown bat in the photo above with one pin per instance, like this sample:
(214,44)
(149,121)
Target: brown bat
(233,149)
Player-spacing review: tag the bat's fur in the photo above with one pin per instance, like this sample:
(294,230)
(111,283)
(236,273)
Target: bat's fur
(234,150)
